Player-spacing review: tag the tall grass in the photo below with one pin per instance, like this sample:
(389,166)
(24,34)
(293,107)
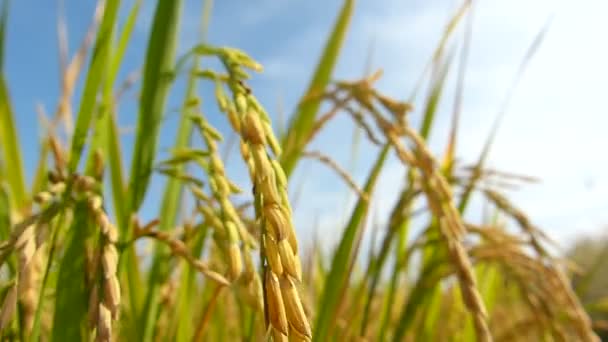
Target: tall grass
(71,271)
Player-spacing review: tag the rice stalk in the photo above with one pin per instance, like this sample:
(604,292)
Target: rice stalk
(338,169)
(179,248)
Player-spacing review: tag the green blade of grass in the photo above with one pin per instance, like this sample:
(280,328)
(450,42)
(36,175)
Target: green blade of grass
(303,121)
(339,272)
(398,221)
(106,131)
(394,281)
(97,67)
(180,321)
(114,157)
(9,141)
(434,97)
(155,87)
(438,53)
(123,41)
(418,298)
(428,326)
(168,213)
(40,180)
(5,220)
(457,108)
(72,296)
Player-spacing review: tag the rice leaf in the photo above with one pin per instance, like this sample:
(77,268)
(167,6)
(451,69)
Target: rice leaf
(156,81)
(344,255)
(155,87)
(184,310)
(99,60)
(398,225)
(172,198)
(40,180)
(419,297)
(449,156)
(303,120)
(400,250)
(123,41)
(72,295)
(113,147)
(9,142)
(5,215)
(434,97)
(169,208)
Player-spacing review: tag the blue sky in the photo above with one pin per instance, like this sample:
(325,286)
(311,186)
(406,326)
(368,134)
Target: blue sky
(554,129)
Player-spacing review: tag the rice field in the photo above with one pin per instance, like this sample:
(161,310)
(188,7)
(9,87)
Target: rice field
(79,263)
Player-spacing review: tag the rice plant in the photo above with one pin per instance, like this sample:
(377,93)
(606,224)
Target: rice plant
(79,263)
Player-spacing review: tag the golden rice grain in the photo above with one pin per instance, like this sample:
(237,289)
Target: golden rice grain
(104,324)
(273,255)
(276,307)
(293,307)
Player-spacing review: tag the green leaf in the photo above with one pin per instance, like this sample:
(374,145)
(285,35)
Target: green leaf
(184,310)
(172,200)
(113,148)
(339,273)
(5,213)
(400,251)
(168,214)
(9,142)
(398,224)
(448,162)
(40,180)
(434,98)
(156,81)
(72,296)
(100,57)
(419,297)
(303,121)
(123,41)
(155,87)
